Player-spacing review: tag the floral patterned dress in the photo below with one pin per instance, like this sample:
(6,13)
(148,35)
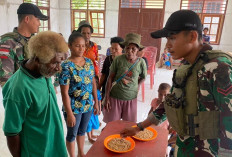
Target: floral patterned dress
(79,79)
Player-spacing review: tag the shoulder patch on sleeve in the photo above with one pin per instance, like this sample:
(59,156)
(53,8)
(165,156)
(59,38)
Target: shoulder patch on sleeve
(4,46)
(226,91)
(4,53)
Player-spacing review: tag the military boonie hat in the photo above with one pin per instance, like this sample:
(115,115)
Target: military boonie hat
(181,20)
(84,24)
(31,9)
(132,38)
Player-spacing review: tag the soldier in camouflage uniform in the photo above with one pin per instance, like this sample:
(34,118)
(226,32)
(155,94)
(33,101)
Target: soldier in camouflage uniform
(13,45)
(199,107)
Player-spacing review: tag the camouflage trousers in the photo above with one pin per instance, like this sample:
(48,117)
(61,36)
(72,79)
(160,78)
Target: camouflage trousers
(224,152)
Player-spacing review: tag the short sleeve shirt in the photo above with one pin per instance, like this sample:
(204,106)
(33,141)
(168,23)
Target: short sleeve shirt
(92,53)
(106,70)
(206,38)
(154,104)
(80,81)
(31,110)
(127,88)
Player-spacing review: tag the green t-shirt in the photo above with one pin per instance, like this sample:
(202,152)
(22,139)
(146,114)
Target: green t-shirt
(31,110)
(129,90)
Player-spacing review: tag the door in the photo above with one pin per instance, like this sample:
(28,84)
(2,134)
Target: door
(142,17)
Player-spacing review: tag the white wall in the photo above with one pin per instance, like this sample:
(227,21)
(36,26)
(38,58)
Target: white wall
(170,7)
(65,18)
(61,20)
(54,15)
(8,15)
(226,38)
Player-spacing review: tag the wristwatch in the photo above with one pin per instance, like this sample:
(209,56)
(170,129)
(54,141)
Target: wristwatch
(140,126)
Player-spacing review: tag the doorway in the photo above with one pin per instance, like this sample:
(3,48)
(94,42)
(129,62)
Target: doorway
(142,17)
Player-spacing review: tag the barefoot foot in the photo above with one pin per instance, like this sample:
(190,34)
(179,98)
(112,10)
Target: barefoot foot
(91,141)
(94,136)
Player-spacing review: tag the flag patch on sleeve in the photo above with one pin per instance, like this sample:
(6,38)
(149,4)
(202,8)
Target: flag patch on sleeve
(4,53)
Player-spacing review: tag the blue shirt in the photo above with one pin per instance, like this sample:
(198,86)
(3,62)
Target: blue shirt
(99,97)
(166,58)
(80,79)
(206,38)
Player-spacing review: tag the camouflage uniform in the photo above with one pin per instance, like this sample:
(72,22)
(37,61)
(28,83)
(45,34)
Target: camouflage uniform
(215,93)
(13,50)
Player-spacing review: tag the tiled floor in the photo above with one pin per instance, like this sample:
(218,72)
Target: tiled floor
(162,75)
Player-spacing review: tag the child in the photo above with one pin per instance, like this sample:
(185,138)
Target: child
(78,89)
(166,60)
(157,104)
(163,90)
(94,121)
(205,37)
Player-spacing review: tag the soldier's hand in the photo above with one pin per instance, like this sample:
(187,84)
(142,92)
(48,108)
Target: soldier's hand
(130,131)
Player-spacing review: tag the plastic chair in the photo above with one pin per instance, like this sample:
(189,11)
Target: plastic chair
(101,59)
(150,54)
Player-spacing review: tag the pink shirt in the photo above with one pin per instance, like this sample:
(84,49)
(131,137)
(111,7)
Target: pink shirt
(154,104)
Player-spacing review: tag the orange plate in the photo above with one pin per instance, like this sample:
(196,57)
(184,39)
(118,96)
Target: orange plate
(107,139)
(152,138)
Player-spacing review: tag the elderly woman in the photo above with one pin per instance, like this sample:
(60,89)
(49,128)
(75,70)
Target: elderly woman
(116,50)
(127,72)
(91,50)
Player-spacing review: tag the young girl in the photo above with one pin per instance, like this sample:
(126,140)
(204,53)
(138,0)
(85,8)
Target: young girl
(78,89)
(94,121)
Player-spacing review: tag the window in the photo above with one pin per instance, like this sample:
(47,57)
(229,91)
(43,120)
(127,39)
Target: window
(92,11)
(44,6)
(212,14)
(196,6)
(142,4)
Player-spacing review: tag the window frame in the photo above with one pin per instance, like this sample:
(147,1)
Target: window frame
(73,18)
(142,4)
(48,14)
(219,29)
(91,22)
(88,17)
(203,13)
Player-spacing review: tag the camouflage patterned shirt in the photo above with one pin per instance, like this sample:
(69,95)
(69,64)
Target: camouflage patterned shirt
(12,53)
(215,83)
